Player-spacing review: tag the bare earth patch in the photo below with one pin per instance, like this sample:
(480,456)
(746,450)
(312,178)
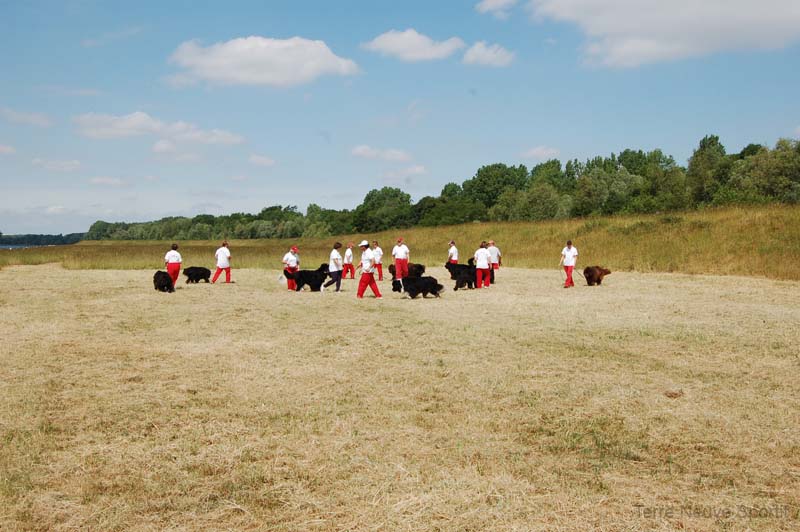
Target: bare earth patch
(654,402)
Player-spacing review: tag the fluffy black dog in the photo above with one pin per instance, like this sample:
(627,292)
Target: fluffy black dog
(594,275)
(462,274)
(415,286)
(163,282)
(312,278)
(194,274)
(414,270)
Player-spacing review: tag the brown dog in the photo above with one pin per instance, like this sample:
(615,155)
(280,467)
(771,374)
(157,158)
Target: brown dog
(594,275)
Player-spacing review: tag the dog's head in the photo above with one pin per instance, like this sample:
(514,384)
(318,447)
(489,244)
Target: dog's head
(448,266)
(323,268)
(397,286)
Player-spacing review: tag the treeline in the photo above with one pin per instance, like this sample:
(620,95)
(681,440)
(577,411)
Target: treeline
(632,182)
(40,240)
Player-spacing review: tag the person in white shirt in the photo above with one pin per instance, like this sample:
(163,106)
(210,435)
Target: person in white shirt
(483,261)
(497,259)
(335,268)
(291,263)
(378,252)
(452,253)
(569,257)
(348,262)
(367,267)
(400,253)
(223,255)
(173,260)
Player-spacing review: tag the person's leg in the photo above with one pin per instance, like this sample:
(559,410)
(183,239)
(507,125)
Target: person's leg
(228,274)
(478,277)
(291,284)
(363,282)
(333,279)
(569,276)
(216,275)
(339,281)
(380,271)
(174,270)
(404,265)
(568,273)
(374,285)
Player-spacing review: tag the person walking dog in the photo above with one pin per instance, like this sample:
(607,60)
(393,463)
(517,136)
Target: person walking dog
(335,268)
(569,257)
(452,253)
(400,253)
(223,256)
(291,262)
(367,268)
(348,262)
(173,260)
(497,259)
(482,266)
(378,252)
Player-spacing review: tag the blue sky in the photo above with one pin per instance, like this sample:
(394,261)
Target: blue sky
(131,111)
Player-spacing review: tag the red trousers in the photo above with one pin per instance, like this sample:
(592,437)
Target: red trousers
(349,268)
(568,270)
(380,271)
(367,279)
(174,270)
(453,261)
(220,270)
(401,268)
(482,274)
(291,284)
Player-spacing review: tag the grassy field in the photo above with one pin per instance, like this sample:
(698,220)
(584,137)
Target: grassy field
(755,241)
(654,402)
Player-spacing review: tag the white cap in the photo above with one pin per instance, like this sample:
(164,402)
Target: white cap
(364,243)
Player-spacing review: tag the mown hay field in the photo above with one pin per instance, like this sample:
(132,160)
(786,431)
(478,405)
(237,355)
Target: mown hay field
(655,402)
(754,241)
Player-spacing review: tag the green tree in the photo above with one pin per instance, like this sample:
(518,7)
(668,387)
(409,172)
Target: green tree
(490,181)
(383,209)
(706,169)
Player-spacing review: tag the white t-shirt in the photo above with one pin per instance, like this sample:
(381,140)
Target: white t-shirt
(333,265)
(400,251)
(378,252)
(173,256)
(367,257)
(291,260)
(570,254)
(223,255)
(482,258)
(494,252)
(348,256)
(452,253)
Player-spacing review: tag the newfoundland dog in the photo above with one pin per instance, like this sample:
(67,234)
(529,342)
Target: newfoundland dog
(194,274)
(462,274)
(415,286)
(312,278)
(163,282)
(594,275)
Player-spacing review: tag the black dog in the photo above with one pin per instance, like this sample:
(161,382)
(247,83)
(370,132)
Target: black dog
(194,274)
(163,282)
(415,286)
(312,278)
(595,274)
(462,274)
(414,270)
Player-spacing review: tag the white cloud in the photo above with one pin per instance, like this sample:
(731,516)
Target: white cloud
(29,119)
(55,209)
(390,154)
(493,55)
(499,8)
(259,61)
(110,37)
(100,126)
(108,181)
(629,33)
(541,153)
(261,160)
(7,150)
(164,146)
(411,46)
(57,166)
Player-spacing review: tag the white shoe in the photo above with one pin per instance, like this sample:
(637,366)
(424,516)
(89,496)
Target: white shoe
(322,288)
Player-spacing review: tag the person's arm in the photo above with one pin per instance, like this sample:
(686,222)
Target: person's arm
(499,258)
(561,262)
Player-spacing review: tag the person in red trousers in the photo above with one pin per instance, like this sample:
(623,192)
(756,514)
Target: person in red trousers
(378,252)
(173,260)
(348,262)
(367,268)
(400,253)
(291,262)
(483,264)
(223,255)
(569,257)
(452,253)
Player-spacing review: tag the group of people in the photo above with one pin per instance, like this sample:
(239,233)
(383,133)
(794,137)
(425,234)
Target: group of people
(488,259)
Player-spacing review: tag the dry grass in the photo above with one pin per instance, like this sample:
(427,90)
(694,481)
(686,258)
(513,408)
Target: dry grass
(755,241)
(521,407)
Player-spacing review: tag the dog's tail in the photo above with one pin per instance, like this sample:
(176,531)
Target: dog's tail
(288,274)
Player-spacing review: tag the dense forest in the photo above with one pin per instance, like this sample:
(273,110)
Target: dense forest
(632,182)
(40,240)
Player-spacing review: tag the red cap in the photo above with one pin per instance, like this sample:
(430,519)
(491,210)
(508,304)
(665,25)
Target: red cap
(294,248)
(399,238)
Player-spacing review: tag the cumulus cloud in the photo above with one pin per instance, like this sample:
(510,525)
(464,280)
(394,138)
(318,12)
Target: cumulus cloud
(411,46)
(29,119)
(493,55)
(541,153)
(261,160)
(57,166)
(499,8)
(101,126)
(258,61)
(7,150)
(107,181)
(390,154)
(626,33)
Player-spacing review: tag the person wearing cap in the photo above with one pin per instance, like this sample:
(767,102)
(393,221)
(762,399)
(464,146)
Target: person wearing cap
(569,256)
(482,266)
(173,260)
(335,268)
(291,262)
(452,253)
(223,256)
(378,252)
(367,268)
(400,253)
(348,262)
(497,259)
